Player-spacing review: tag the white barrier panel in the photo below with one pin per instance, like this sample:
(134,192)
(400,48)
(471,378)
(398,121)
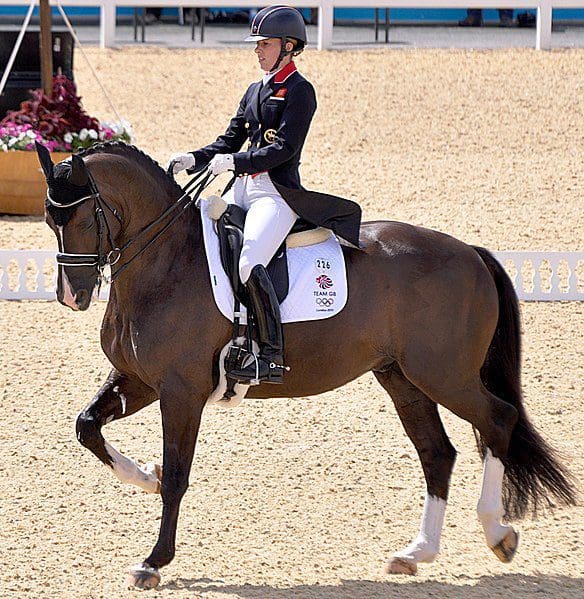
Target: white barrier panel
(537,276)
(30,275)
(545,276)
(27,274)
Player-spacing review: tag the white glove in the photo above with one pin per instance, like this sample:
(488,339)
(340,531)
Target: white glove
(181,162)
(221,163)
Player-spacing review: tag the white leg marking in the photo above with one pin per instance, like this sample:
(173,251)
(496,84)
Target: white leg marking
(122,397)
(241,390)
(425,547)
(129,472)
(490,507)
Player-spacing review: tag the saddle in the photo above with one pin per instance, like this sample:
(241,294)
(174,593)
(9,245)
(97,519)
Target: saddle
(230,220)
(315,278)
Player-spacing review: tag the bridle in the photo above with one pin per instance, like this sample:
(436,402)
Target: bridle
(103,260)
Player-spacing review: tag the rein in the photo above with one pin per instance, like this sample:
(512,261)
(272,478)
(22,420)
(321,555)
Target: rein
(102,260)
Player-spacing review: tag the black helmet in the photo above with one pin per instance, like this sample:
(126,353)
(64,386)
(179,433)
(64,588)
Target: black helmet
(278,21)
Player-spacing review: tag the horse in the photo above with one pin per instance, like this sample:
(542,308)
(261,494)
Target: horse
(435,320)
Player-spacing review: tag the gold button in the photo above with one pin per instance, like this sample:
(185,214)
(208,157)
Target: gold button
(247,125)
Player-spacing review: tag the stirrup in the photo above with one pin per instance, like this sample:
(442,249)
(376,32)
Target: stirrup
(256,373)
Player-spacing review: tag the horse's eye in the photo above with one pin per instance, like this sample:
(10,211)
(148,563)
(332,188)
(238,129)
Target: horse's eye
(87,224)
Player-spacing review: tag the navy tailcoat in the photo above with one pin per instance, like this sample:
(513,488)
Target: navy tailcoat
(274,119)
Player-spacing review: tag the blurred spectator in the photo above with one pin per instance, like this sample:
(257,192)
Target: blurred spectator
(527,19)
(230,16)
(194,13)
(152,15)
(474,18)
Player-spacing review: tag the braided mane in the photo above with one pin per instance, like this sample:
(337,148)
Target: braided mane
(120,148)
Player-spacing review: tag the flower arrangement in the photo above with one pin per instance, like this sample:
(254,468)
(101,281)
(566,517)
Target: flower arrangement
(58,122)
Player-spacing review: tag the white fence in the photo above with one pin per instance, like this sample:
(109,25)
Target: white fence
(537,276)
(30,275)
(326,8)
(545,276)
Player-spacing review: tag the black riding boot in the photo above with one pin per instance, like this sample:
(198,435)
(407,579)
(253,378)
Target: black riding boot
(270,363)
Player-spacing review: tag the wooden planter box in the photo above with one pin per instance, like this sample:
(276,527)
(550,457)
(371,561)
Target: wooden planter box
(22,182)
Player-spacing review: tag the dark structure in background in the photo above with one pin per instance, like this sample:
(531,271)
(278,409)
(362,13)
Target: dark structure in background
(26,71)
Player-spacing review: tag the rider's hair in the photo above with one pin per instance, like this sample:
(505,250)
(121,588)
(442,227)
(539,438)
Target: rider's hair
(297,47)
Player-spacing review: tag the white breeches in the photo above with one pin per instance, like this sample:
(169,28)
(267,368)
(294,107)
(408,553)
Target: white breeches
(268,222)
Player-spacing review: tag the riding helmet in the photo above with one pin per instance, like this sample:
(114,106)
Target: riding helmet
(278,21)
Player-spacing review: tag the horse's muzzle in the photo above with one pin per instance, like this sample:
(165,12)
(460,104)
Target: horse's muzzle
(76,300)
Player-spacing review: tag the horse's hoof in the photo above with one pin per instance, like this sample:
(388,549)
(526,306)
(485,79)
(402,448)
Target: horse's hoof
(506,548)
(397,565)
(142,576)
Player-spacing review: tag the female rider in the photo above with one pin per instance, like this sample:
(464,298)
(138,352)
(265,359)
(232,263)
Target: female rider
(274,115)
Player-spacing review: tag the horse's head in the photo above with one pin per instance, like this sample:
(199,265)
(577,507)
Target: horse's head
(71,212)
(97,227)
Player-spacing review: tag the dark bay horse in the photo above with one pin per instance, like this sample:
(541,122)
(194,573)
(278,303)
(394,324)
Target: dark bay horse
(434,319)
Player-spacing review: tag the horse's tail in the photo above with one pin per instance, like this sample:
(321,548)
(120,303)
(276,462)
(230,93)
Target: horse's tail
(532,469)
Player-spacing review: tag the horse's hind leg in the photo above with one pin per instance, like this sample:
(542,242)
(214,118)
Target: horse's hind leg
(501,538)
(120,396)
(466,396)
(420,418)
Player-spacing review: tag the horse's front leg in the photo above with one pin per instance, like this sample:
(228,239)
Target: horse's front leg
(181,417)
(120,396)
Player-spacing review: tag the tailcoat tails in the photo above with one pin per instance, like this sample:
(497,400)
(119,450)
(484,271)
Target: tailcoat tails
(340,215)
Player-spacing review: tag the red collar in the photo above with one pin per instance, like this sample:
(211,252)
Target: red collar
(284,73)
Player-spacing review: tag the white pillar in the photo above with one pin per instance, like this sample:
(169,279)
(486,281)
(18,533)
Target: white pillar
(543,36)
(107,31)
(325,24)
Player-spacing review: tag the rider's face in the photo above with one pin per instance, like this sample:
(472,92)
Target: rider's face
(268,52)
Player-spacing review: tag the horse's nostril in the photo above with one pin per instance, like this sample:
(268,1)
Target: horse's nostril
(82,298)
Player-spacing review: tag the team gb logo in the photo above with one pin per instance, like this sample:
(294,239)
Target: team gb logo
(324,282)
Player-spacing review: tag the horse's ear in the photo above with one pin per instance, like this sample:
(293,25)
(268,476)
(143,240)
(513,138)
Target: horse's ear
(79,175)
(45,160)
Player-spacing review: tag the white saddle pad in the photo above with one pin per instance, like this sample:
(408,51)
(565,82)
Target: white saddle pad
(317,277)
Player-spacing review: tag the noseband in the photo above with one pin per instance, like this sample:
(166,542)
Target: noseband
(105,260)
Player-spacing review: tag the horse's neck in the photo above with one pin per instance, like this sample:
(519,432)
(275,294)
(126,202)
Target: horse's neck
(178,248)
(170,260)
